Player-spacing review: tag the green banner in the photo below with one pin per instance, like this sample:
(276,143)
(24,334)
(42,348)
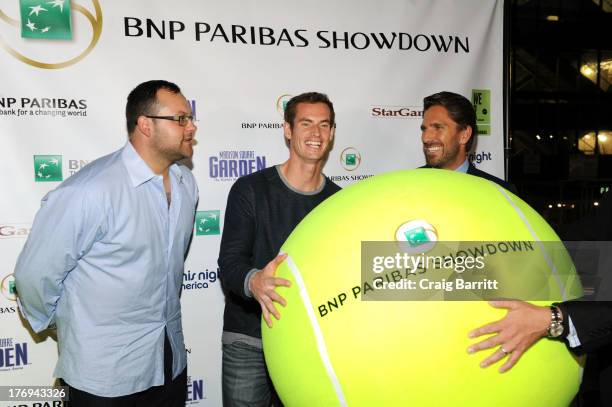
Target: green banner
(481,98)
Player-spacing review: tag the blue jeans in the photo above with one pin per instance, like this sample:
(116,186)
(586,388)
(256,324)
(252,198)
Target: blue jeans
(245,378)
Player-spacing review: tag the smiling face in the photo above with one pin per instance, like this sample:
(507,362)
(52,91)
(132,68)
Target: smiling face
(311,133)
(443,141)
(169,139)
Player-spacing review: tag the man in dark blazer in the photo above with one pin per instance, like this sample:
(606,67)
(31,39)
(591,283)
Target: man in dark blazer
(585,326)
(448,133)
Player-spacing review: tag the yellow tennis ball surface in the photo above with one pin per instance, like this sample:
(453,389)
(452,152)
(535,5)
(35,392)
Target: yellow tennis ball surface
(331,348)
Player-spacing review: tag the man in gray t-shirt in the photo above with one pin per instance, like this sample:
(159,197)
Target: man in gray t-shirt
(262,210)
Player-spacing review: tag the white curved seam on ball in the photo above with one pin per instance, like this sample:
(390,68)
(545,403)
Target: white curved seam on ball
(549,261)
(322,348)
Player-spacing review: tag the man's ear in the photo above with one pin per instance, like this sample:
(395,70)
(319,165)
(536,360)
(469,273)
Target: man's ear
(143,124)
(466,135)
(287,130)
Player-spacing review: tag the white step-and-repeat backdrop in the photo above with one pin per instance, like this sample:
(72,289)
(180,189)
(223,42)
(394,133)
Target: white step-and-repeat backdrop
(66,72)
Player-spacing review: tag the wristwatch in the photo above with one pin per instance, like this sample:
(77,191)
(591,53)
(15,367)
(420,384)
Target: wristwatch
(555,329)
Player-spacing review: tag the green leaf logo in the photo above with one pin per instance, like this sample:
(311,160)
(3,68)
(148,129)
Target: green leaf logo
(48,168)
(207,222)
(44,19)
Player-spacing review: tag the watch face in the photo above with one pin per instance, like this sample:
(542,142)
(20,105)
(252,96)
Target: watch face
(555,331)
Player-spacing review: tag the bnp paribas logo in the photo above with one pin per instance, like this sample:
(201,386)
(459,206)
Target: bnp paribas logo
(7,286)
(281,104)
(416,236)
(48,20)
(350,159)
(48,168)
(65,22)
(207,222)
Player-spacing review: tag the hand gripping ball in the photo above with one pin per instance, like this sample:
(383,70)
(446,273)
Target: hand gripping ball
(333,348)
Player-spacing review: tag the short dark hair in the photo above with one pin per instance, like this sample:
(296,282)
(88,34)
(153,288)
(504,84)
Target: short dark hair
(459,108)
(142,100)
(308,97)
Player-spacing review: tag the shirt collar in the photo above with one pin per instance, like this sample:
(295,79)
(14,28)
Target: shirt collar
(138,170)
(174,169)
(463,167)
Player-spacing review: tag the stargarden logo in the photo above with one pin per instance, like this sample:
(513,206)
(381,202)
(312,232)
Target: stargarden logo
(8,288)
(14,230)
(350,159)
(51,20)
(396,112)
(207,222)
(281,104)
(48,168)
(416,236)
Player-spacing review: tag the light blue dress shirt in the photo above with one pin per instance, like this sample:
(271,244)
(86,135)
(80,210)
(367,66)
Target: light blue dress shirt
(104,263)
(463,167)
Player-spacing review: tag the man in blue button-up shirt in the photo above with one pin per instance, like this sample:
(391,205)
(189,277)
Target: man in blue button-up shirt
(104,261)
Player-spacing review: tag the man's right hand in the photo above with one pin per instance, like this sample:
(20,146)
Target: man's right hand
(523,325)
(262,285)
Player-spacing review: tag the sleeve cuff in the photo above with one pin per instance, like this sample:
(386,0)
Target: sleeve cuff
(572,336)
(247,282)
(38,324)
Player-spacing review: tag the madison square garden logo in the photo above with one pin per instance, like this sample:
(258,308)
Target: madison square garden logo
(48,168)
(350,159)
(195,390)
(194,113)
(8,288)
(13,354)
(207,222)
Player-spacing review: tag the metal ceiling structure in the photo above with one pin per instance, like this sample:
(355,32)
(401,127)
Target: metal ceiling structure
(560,112)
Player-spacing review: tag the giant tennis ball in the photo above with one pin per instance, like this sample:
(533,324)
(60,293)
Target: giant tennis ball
(331,347)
